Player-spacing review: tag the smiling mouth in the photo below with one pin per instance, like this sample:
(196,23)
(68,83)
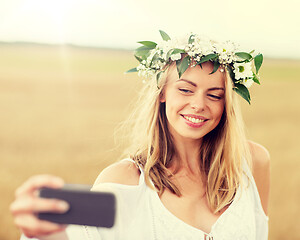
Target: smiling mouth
(194,120)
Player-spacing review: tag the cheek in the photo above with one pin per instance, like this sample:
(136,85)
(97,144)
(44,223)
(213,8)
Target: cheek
(218,111)
(172,99)
(175,105)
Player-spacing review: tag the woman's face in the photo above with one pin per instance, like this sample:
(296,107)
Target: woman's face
(195,102)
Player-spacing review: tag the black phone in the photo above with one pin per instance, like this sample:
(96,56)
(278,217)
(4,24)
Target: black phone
(86,207)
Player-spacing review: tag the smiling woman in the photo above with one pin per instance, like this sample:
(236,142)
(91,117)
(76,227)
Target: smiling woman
(199,90)
(187,173)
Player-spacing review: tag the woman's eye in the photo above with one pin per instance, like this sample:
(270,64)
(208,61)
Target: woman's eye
(215,96)
(185,90)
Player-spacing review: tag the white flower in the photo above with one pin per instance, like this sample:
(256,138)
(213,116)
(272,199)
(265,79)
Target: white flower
(229,47)
(247,83)
(141,66)
(242,70)
(191,53)
(226,51)
(175,57)
(202,45)
(144,71)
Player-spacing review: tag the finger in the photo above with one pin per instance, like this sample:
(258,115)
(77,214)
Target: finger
(37,182)
(33,205)
(32,226)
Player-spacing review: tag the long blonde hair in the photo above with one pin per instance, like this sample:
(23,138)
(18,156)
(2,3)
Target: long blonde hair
(221,152)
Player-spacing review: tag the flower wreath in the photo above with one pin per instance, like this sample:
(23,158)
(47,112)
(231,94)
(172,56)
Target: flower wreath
(155,58)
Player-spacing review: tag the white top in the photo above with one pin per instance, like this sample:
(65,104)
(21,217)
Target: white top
(141,215)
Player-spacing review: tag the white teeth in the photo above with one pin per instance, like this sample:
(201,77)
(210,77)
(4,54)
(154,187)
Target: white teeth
(194,120)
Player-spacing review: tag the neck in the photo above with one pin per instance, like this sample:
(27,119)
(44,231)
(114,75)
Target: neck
(186,157)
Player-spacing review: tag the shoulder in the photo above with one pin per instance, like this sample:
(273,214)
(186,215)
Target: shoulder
(261,171)
(123,172)
(260,156)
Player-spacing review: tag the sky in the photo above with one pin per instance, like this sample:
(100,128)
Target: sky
(268,26)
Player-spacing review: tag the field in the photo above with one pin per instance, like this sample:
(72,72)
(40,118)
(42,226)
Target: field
(59,108)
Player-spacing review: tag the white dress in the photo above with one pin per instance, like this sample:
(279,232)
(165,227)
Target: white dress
(141,215)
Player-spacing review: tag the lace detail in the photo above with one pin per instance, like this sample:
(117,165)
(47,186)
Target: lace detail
(239,222)
(87,232)
(166,227)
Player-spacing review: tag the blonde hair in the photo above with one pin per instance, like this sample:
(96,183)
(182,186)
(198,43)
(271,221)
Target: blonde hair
(221,152)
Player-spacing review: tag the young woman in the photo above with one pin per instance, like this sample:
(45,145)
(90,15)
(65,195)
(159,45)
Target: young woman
(191,173)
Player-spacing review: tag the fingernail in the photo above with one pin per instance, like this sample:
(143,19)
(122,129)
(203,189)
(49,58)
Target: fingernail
(59,181)
(64,206)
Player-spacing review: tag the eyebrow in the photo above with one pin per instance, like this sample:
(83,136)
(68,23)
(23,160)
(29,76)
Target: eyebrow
(216,88)
(195,85)
(190,82)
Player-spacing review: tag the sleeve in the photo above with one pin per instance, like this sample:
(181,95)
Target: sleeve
(129,198)
(73,232)
(56,236)
(79,232)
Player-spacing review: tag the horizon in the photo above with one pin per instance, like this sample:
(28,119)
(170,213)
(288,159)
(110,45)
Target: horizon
(37,44)
(121,24)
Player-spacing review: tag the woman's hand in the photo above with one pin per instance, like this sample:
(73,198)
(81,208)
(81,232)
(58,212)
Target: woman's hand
(27,204)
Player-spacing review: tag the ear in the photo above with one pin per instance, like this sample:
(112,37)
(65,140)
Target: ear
(162,97)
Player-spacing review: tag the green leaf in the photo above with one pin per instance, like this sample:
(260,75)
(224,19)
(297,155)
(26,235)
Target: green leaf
(143,55)
(164,36)
(216,67)
(244,55)
(231,73)
(177,50)
(131,70)
(258,60)
(143,48)
(169,54)
(241,61)
(207,58)
(143,52)
(191,40)
(182,65)
(242,91)
(148,44)
(256,79)
(155,57)
(138,58)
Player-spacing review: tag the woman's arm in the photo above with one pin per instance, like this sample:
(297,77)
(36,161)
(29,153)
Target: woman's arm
(261,172)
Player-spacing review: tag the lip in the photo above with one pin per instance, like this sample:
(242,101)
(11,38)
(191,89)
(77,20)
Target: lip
(192,124)
(194,116)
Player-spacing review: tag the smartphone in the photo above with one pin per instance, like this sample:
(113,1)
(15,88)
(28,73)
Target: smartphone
(86,207)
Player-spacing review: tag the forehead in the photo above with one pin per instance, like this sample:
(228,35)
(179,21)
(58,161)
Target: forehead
(199,76)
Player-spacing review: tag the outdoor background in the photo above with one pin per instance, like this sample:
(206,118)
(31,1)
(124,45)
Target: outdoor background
(60,104)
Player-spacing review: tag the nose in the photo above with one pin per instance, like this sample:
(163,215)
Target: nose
(198,102)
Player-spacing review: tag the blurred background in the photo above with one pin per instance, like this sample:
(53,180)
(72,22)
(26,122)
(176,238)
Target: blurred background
(63,90)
